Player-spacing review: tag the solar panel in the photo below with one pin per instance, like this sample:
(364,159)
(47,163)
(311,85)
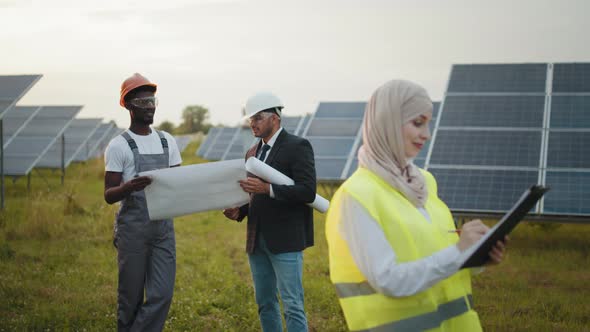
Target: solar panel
(102,145)
(353,166)
(569,150)
(75,137)
(484,78)
(420,159)
(487,147)
(291,123)
(329,168)
(241,142)
(570,111)
(571,77)
(567,159)
(334,127)
(33,141)
(569,193)
(13,87)
(182,141)
(340,110)
(334,133)
(331,147)
(494,111)
(482,190)
(209,139)
(303,125)
(219,146)
(243,139)
(435,107)
(15,119)
(88,149)
(503,128)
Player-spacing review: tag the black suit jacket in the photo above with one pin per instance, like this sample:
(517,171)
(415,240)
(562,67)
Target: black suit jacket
(285,221)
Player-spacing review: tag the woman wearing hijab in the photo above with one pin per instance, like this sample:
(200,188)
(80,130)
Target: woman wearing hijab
(392,259)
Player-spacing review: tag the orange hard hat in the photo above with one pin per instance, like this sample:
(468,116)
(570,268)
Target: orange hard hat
(134,81)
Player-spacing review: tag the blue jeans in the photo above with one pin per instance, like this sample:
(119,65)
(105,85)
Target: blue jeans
(282,273)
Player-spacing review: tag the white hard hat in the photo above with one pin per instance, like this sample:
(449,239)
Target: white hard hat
(262,101)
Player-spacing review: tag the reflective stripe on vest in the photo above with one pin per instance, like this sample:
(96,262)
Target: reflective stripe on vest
(348,289)
(429,320)
(424,321)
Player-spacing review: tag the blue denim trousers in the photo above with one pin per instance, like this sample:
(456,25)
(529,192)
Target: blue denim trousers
(274,275)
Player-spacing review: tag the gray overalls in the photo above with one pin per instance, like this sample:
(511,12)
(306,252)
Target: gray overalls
(146,254)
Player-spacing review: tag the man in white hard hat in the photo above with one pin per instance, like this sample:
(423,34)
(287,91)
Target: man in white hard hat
(280,224)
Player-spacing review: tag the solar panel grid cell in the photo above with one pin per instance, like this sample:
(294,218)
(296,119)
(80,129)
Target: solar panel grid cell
(209,139)
(481,190)
(484,78)
(487,148)
(571,77)
(569,193)
(569,149)
(494,111)
(570,112)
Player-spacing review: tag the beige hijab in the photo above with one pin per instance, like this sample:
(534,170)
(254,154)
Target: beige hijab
(390,107)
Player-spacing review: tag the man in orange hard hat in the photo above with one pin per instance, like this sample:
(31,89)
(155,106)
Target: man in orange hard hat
(146,248)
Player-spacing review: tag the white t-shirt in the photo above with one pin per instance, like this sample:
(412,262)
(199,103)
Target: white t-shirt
(118,156)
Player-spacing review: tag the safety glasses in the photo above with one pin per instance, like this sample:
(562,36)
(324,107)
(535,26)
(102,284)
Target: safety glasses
(258,117)
(144,102)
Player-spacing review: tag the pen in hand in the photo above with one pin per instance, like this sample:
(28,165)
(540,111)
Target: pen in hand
(458,231)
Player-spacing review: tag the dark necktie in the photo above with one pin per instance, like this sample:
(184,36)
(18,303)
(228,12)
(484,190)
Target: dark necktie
(265,149)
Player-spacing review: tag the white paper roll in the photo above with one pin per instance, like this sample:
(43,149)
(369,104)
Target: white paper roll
(189,189)
(271,175)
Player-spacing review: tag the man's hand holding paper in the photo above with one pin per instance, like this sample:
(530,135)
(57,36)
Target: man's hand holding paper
(255,186)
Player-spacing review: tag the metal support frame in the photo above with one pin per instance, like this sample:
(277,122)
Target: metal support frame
(2,163)
(63,158)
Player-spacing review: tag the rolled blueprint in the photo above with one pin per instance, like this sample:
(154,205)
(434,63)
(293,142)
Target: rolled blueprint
(189,189)
(271,175)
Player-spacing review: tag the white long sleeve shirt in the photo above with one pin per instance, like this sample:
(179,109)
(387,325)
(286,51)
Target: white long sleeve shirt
(377,261)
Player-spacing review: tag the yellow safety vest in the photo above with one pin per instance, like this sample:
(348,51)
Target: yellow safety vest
(446,306)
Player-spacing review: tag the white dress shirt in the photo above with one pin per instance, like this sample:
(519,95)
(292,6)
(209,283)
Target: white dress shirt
(270,142)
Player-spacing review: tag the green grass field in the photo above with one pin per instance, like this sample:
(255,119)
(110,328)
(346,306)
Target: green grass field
(58,269)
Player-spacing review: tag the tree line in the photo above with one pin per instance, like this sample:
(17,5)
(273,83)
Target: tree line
(195,118)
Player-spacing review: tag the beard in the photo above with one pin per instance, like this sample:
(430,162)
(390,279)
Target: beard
(145,121)
(141,116)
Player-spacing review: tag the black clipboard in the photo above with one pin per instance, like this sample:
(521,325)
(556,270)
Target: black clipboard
(478,254)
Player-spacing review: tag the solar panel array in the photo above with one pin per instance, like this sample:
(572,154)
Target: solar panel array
(335,133)
(208,140)
(505,127)
(33,141)
(16,119)
(224,143)
(93,144)
(240,143)
(100,148)
(182,141)
(74,138)
(12,88)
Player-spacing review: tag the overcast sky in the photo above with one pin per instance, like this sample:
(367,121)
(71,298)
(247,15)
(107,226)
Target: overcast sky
(218,52)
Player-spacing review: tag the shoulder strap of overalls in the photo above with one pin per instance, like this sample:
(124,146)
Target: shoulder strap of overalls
(134,149)
(164,142)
